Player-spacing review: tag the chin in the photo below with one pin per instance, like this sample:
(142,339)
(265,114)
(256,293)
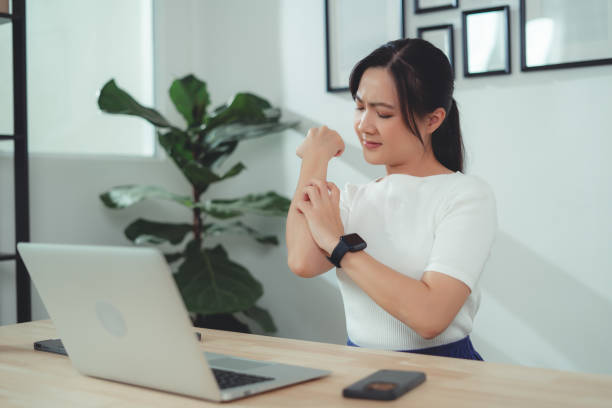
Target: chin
(371,158)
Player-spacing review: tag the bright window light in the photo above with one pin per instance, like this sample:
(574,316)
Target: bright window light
(73,49)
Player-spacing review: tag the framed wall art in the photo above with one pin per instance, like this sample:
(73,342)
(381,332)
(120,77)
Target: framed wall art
(486,41)
(353,29)
(565,33)
(427,6)
(442,37)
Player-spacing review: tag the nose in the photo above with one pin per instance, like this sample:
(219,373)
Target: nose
(366,123)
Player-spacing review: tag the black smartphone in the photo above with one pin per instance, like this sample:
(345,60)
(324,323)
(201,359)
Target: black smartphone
(51,346)
(385,385)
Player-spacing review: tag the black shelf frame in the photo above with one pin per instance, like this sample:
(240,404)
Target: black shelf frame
(20,157)
(6,18)
(7,257)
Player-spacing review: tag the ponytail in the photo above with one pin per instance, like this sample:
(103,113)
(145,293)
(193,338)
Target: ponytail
(446,141)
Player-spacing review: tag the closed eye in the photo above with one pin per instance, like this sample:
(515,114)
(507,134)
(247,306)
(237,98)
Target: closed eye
(380,115)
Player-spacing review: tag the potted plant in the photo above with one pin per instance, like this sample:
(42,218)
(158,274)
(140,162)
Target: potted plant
(214,288)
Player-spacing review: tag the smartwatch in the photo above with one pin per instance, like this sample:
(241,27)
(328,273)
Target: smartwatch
(348,243)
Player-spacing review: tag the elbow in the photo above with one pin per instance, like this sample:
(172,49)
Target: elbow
(430,328)
(429,333)
(298,267)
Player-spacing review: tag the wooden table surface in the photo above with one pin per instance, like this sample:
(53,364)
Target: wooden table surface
(31,378)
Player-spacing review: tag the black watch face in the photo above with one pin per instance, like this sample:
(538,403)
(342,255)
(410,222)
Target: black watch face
(353,240)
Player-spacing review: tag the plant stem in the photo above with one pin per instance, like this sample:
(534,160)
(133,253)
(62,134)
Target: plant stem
(197,149)
(197,217)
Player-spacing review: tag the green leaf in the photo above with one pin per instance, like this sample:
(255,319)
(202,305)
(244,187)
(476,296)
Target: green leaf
(202,177)
(234,171)
(236,132)
(237,226)
(191,99)
(215,158)
(262,317)
(244,107)
(268,203)
(199,176)
(144,231)
(211,283)
(173,257)
(178,146)
(113,99)
(125,196)
(247,116)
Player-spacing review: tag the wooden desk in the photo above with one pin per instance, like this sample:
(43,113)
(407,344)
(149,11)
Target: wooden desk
(31,378)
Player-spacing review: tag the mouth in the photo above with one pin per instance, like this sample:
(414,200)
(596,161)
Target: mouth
(368,144)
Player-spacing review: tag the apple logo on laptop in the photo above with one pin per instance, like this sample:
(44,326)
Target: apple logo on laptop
(111,318)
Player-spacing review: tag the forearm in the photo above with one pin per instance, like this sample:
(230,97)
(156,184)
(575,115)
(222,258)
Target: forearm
(305,258)
(409,300)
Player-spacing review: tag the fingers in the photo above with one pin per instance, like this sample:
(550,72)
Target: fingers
(321,141)
(324,186)
(320,192)
(319,184)
(314,191)
(314,130)
(311,193)
(334,192)
(323,132)
(341,149)
(302,207)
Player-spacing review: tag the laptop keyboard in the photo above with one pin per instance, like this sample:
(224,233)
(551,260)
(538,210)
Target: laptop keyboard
(231,379)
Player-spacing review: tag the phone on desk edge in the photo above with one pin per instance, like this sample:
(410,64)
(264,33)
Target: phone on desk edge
(56,346)
(385,385)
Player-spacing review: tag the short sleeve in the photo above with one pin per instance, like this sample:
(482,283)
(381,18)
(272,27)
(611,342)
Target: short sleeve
(465,232)
(347,196)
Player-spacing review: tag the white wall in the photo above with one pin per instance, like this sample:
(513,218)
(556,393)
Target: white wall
(538,138)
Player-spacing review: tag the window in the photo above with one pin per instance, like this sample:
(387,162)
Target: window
(73,49)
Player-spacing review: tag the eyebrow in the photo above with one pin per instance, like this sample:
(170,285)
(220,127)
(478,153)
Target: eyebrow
(375,103)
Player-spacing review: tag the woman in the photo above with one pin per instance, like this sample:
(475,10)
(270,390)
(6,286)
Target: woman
(428,227)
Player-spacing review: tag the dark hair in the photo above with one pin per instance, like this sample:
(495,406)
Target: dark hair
(424,82)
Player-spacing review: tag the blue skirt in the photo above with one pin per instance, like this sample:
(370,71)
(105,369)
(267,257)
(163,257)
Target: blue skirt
(459,349)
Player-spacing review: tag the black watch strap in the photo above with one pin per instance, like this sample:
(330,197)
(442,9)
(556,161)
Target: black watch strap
(347,243)
(338,253)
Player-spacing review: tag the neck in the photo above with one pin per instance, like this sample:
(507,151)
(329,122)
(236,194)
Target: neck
(427,165)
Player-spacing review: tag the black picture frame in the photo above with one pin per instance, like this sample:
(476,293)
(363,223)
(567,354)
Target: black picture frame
(332,84)
(420,6)
(506,67)
(525,67)
(449,29)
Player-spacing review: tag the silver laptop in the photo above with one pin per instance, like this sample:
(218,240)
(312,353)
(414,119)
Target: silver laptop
(120,317)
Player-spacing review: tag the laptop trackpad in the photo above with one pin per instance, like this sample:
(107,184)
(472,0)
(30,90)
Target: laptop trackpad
(235,364)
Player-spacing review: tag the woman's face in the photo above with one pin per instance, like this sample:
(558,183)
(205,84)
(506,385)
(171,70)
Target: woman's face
(383,135)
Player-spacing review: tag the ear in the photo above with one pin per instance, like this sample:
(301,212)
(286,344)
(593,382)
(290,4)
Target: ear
(434,120)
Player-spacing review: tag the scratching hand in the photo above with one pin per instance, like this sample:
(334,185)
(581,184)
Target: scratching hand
(320,203)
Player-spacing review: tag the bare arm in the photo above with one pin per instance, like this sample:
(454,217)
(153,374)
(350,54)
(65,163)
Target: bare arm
(304,256)
(428,305)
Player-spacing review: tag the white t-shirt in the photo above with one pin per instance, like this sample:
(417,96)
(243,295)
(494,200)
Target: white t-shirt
(445,223)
